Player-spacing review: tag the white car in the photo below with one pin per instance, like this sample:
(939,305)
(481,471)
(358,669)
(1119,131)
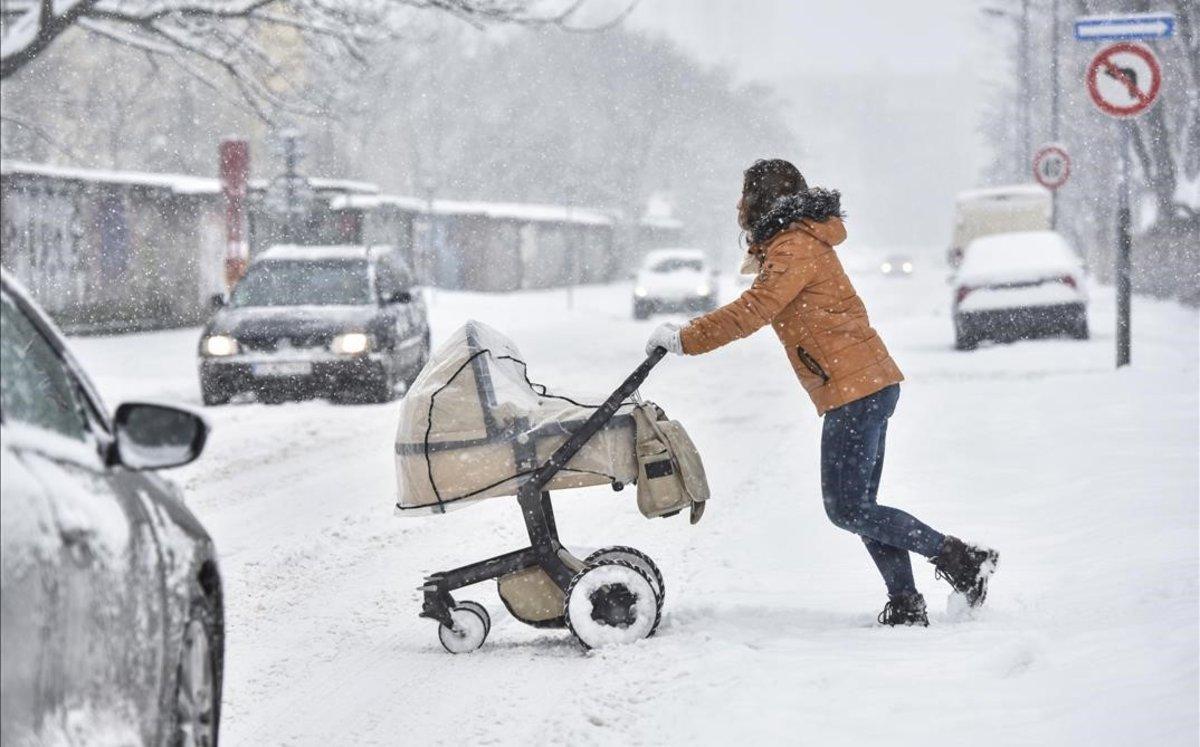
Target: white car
(674,280)
(1019,285)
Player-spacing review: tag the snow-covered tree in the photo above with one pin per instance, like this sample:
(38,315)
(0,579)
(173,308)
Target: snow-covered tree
(255,43)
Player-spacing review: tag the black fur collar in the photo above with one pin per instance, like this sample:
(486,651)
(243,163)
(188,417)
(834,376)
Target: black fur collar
(816,204)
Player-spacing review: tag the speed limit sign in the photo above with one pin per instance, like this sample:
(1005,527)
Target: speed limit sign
(1051,166)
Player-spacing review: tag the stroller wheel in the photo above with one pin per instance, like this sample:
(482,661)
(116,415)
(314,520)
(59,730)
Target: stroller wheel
(637,558)
(480,610)
(469,631)
(611,602)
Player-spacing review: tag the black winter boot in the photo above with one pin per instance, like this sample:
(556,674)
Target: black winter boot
(966,568)
(904,609)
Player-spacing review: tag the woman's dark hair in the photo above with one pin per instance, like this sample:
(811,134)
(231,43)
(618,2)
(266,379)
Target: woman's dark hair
(765,182)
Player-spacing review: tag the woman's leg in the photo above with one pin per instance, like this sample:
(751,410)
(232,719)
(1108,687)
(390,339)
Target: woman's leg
(851,465)
(893,563)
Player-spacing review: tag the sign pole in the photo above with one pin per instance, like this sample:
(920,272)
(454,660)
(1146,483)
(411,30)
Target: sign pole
(1124,80)
(1124,251)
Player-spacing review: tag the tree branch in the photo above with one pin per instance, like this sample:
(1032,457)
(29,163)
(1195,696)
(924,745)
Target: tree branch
(224,34)
(44,136)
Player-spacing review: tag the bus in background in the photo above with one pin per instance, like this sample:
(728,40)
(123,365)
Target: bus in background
(983,212)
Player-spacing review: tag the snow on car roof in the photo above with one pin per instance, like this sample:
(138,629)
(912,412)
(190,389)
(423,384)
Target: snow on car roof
(1004,192)
(1016,256)
(658,255)
(293,252)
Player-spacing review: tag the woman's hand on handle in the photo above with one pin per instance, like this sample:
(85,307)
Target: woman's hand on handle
(665,335)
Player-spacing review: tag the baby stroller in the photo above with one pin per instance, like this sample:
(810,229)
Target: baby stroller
(474,426)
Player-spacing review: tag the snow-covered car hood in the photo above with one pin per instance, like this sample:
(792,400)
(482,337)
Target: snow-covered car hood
(279,321)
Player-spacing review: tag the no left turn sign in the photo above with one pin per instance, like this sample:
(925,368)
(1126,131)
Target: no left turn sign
(1124,79)
(1051,166)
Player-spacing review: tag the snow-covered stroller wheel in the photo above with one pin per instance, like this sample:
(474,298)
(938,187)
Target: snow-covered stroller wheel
(637,558)
(469,631)
(481,611)
(611,602)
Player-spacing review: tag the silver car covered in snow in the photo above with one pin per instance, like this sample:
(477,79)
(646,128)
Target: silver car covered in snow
(674,280)
(111,625)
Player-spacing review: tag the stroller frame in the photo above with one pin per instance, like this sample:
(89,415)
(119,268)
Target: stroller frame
(536,508)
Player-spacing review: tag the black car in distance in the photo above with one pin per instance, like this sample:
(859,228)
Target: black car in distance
(111,612)
(343,322)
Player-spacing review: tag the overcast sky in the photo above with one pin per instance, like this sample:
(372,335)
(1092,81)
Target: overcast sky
(762,38)
(884,95)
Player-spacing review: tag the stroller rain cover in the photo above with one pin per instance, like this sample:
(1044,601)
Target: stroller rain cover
(473,426)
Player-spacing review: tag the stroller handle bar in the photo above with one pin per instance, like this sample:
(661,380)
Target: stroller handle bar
(596,420)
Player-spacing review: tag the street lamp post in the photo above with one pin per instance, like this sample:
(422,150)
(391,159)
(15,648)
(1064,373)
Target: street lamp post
(1054,32)
(291,161)
(1024,73)
(427,257)
(1026,85)
(290,195)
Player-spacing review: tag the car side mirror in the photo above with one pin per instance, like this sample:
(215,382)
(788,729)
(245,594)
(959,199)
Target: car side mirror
(216,301)
(156,436)
(400,296)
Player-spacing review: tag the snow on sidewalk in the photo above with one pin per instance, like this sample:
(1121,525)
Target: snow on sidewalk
(1085,479)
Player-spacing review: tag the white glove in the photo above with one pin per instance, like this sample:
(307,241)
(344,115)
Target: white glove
(665,335)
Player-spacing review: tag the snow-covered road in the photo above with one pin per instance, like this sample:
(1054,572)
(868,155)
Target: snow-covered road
(1084,478)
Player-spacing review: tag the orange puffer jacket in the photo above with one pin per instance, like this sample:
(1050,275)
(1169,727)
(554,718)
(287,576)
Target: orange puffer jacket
(803,292)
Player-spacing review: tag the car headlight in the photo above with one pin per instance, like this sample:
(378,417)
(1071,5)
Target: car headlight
(640,292)
(351,343)
(703,289)
(886,267)
(907,267)
(220,345)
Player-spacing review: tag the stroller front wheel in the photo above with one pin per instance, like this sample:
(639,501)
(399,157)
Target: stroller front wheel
(471,625)
(611,602)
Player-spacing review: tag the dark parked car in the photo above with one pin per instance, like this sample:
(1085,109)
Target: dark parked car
(111,622)
(336,321)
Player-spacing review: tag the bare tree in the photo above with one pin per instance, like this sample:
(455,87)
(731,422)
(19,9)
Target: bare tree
(265,47)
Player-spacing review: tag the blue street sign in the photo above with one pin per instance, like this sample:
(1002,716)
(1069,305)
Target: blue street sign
(1129,27)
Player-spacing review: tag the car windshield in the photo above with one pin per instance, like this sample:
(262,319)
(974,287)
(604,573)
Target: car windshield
(676,264)
(296,283)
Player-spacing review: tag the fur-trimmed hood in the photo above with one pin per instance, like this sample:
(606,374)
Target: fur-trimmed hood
(816,204)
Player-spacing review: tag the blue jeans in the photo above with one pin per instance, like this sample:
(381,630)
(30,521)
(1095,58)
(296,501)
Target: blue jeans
(851,465)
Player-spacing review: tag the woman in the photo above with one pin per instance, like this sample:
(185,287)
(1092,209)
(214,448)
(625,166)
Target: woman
(803,292)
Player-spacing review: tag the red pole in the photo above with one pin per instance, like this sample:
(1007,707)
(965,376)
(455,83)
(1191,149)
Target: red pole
(234,156)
